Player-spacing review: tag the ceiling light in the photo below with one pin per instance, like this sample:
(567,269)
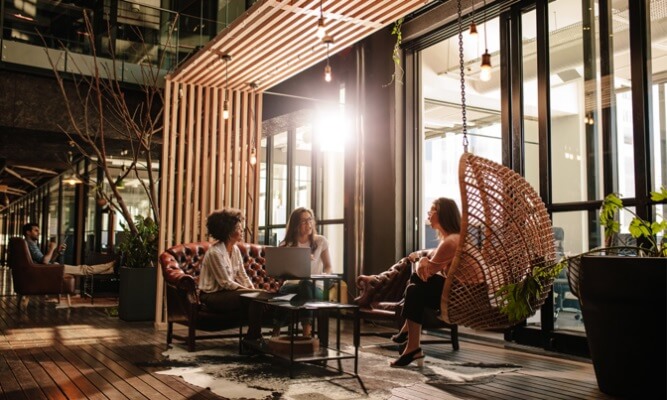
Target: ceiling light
(473,26)
(485,68)
(225,109)
(321,31)
(485,73)
(473,30)
(253,156)
(327,70)
(72,180)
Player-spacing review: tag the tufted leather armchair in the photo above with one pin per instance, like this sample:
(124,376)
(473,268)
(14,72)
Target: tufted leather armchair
(36,279)
(381,298)
(181,265)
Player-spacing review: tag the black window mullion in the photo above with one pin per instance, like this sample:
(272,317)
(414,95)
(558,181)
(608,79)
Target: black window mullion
(291,149)
(544,129)
(505,88)
(516,82)
(641,68)
(543,99)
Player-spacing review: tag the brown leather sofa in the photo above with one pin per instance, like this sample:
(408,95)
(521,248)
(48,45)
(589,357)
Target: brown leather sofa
(181,265)
(381,298)
(36,279)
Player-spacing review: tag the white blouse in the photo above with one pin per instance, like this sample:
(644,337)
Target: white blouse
(219,271)
(316,264)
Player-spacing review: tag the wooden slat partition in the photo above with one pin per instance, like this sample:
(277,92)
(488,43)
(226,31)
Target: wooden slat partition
(206,163)
(207,160)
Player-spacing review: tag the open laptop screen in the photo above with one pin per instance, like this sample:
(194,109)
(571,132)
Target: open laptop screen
(287,262)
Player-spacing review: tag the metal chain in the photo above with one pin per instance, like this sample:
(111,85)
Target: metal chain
(464,119)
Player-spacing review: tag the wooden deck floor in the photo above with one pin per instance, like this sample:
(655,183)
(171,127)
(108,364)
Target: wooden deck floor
(81,353)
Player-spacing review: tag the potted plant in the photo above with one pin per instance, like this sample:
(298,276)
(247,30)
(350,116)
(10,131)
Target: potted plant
(137,272)
(623,295)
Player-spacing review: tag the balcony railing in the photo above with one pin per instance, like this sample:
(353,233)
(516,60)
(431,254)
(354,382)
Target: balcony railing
(134,34)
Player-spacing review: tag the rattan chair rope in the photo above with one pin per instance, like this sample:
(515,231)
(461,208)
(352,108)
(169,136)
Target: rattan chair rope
(505,232)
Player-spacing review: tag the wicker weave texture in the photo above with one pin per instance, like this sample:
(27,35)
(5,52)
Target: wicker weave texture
(505,230)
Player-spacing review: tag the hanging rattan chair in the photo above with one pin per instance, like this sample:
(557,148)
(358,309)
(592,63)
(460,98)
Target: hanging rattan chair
(505,233)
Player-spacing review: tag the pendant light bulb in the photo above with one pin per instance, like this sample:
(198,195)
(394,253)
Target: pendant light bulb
(327,73)
(225,110)
(253,156)
(321,29)
(485,67)
(473,30)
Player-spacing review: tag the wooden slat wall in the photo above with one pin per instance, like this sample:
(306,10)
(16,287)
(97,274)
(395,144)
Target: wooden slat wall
(206,163)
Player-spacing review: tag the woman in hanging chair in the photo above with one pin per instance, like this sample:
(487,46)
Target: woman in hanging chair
(427,282)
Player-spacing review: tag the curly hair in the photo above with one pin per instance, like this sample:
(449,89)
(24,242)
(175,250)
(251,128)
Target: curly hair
(222,223)
(292,230)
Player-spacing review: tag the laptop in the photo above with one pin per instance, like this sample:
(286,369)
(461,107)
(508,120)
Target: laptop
(287,262)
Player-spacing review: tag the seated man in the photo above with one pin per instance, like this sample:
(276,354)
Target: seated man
(31,233)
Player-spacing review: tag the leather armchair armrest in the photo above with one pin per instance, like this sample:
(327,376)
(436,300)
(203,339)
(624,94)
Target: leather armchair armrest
(366,289)
(186,283)
(46,278)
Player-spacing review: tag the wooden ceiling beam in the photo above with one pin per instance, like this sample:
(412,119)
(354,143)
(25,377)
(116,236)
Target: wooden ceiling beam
(275,39)
(36,169)
(18,176)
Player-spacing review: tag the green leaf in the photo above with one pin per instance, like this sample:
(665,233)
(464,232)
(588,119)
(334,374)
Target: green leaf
(661,195)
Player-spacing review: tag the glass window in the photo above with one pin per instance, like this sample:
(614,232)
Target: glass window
(334,234)
(262,185)
(313,154)
(658,138)
(279,179)
(529,79)
(302,166)
(68,222)
(442,144)
(568,122)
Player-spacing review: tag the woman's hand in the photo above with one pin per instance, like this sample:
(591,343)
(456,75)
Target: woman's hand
(423,269)
(414,256)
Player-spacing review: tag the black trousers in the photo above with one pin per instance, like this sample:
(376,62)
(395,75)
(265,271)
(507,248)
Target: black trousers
(230,300)
(420,295)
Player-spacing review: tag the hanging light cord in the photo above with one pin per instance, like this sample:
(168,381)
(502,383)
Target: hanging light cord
(226,78)
(464,127)
(486,43)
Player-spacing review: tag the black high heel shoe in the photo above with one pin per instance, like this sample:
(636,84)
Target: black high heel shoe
(408,358)
(400,337)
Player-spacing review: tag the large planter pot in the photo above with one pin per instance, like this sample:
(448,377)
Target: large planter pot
(137,294)
(624,305)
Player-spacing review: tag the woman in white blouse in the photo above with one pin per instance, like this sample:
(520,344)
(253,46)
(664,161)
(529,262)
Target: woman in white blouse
(300,232)
(223,278)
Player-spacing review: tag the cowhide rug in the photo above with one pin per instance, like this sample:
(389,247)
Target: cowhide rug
(235,376)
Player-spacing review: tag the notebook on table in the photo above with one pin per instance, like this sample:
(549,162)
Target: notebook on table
(287,262)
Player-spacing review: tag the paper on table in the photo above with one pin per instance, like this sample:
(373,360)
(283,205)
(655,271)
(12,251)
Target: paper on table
(286,297)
